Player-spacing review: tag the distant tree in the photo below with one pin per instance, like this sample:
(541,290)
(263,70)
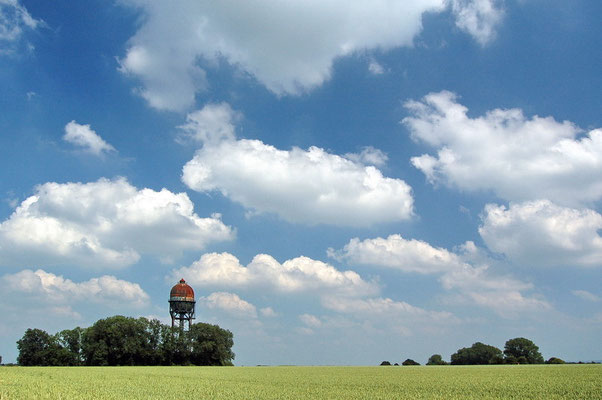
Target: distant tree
(523,351)
(497,359)
(116,340)
(385,363)
(34,347)
(554,360)
(477,354)
(153,354)
(396,365)
(71,341)
(174,348)
(37,347)
(435,359)
(211,345)
(409,361)
(123,340)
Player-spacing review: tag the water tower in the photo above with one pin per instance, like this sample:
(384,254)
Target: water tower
(181,304)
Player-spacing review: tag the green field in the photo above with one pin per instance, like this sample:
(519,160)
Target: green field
(451,382)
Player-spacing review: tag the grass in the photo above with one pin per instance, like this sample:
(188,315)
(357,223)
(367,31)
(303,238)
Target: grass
(488,382)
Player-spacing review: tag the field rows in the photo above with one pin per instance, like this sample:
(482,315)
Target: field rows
(489,382)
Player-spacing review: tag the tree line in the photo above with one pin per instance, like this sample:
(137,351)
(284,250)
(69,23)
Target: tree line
(516,351)
(120,340)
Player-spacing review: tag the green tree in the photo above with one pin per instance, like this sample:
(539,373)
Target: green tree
(497,359)
(555,360)
(523,351)
(34,347)
(385,363)
(37,347)
(153,354)
(71,341)
(123,340)
(211,345)
(409,361)
(116,340)
(436,359)
(477,354)
(174,348)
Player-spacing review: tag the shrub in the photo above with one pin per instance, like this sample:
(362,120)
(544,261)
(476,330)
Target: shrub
(436,359)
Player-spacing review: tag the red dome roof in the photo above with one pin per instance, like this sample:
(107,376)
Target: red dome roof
(181,292)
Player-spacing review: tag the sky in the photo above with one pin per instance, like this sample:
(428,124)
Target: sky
(341,183)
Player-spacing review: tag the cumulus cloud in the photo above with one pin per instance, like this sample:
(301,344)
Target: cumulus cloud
(380,306)
(378,315)
(457,272)
(211,124)
(83,136)
(298,275)
(503,151)
(229,303)
(14,20)
(63,293)
(304,186)
(106,223)
(287,46)
(479,18)
(542,234)
(341,292)
(369,156)
(399,253)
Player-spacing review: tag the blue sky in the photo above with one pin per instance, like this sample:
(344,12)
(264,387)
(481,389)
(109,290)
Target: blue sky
(339,184)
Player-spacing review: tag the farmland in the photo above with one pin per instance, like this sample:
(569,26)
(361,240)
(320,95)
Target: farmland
(486,382)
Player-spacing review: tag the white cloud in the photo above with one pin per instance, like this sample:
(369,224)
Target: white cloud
(84,137)
(515,157)
(62,293)
(310,187)
(340,292)
(585,295)
(310,320)
(508,304)
(378,314)
(268,312)
(458,272)
(376,306)
(230,303)
(543,234)
(104,223)
(303,330)
(211,124)
(287,46)
(375,68)
(14,19)
(298,275)
(399,253)
(369,156)
(479,18)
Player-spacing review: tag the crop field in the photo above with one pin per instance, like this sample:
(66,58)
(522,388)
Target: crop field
(450,382)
